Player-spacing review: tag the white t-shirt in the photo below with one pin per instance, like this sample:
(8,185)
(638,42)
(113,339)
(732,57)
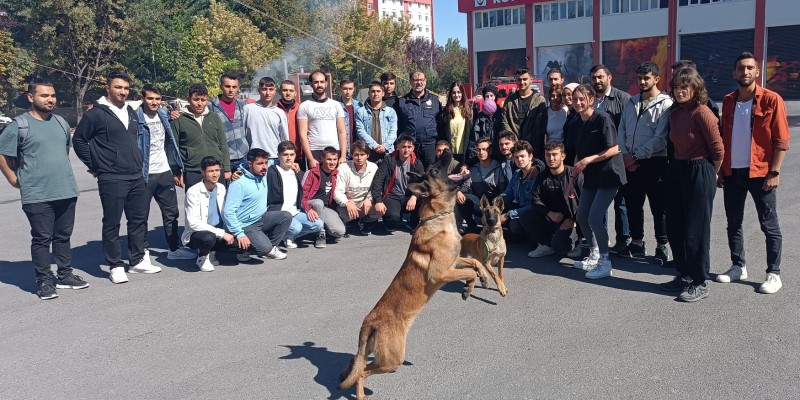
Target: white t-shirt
(158,156)
(321,118)
(289,191)
(741,138)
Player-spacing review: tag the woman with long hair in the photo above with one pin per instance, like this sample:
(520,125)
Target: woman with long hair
(599,159)
(454,123)
(569,141)
(691,181)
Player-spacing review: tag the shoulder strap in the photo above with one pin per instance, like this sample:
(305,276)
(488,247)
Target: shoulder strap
(64,125)
(22,127)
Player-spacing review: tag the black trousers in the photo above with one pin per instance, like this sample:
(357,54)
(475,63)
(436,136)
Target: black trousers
(205,242)
(161,187)
(192,178)
(647,181)
(426,152)
(51,224)
(396,207)
(468,210)
(128,196)
(546,232)
(691,186)
(734,193)
(523,227)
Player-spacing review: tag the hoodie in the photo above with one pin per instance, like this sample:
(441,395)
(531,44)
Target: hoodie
(200,136)
(387,173)
(245,203)
(108,148)
(643,133)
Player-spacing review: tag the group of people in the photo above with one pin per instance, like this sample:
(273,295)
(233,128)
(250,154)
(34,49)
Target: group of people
(261,176)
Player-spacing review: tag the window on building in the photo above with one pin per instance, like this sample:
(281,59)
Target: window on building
(515,16)
(508,16)
(568,9)
(485,20)
(625,6)
(499,18)
(478,20)
(571,9)
(492,19)
(554,12)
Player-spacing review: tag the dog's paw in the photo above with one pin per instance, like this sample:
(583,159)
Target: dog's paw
(503,290)
(466,292)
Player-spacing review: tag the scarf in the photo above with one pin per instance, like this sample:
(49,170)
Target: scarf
(376,122)
(287,104)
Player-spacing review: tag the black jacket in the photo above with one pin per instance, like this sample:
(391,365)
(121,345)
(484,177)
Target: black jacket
(615,102)
(275,190)
(106,147)
(385,177)
(417,117)
(550,187)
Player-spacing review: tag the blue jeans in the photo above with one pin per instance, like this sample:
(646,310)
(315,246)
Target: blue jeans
(301,226)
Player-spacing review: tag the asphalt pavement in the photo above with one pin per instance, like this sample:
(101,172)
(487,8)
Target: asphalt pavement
(285,329)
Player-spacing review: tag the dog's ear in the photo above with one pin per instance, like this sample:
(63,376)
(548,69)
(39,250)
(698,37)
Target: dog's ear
(485,202)
(415,177)
(498,202)
(420,189)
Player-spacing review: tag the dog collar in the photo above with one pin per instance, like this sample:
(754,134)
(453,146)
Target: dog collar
(434,216)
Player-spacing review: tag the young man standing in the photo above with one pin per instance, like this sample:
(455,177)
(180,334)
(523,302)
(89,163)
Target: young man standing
(376,124)
(642,134)
(416,115)
(265,124)
(755,133)
(38,141)
(389,82)
(200,133)
(320,122)
(523,107)
(162,169)
(230,111)
(245,211)
(517,197)
(319,184)
(203,206)
(554,208)
(284,194)
(288,103)
(106,141)
(351,106)
(390,186)
(353,183)
(554,77)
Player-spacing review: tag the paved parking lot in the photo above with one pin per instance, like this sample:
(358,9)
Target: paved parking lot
(285,329)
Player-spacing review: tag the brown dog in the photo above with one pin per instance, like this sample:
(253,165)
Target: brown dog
(431,262)
(489,247)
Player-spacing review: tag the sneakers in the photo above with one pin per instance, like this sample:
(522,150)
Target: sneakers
(590,262)
(677,284)
(212,256)
(662,255)
(47,291)
(602,269)
(542,250)
(144,267)
(771,285)
(322,240)
(181,253)
(633,250)
(289,244)
(619,247)
(204,263)
(118,275)
(694,293)
(735,273)
(576,251)
(71,281)
(243,256)
(276,254)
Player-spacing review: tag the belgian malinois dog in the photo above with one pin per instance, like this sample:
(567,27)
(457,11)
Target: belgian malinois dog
(432,261)
(489,247)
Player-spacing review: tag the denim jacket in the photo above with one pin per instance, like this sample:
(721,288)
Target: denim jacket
(234,128)
(388,119)
(348,128)
(170,145)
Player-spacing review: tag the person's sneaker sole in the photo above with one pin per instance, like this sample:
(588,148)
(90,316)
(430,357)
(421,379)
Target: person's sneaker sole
(76,287)
(49,297)
(692,299)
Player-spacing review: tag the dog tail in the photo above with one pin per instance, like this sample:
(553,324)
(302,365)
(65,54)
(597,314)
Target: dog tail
(360,361)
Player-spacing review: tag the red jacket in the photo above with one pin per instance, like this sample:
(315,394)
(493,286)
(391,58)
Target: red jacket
(310,185)
(291,116)
(770,129)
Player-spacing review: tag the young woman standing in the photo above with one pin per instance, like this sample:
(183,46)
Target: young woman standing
(454,123)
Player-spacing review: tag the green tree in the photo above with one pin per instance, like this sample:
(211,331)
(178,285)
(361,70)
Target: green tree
(15,65)
(453,64)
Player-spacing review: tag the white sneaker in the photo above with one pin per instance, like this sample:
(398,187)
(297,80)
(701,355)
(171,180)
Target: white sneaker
(588,263)
(146,253)
(144,267)
(213,257)
(735,273)
(542,250)
(276,254)
(575,252)
(771,285)
(204,263)
(243,257)
(181,253)
(118,275)
(602,269)
(289,244)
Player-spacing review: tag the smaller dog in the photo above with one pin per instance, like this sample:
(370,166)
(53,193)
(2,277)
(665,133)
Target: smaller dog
(489,247)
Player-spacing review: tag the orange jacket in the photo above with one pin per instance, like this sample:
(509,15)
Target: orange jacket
(770,130)
(291,116)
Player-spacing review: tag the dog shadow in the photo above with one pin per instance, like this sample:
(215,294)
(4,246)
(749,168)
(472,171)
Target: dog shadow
(458,287)
(329,365)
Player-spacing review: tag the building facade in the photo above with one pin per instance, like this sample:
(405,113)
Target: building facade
(573,35)
(419,14)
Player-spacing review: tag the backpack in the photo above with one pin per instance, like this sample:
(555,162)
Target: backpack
(23,127)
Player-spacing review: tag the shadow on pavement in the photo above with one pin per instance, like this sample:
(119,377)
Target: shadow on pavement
(19,274)
(329,365)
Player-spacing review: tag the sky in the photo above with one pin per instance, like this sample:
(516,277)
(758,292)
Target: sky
(448,22)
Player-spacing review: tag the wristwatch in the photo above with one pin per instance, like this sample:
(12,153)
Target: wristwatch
(774,173)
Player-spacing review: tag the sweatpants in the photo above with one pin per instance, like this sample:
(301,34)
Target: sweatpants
(647,182)
(268,231)
(691,186)
(161,187)
(118,196)
(330,218)
(592,207)
(51,224)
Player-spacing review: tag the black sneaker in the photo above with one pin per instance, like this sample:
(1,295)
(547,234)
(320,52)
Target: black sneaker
(662,255)
(633,250)
(47,291)
(71,281)
(678,284)
(694,293)
(619,247)
(322,240)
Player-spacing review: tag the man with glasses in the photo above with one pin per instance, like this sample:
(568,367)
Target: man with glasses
(416,112)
